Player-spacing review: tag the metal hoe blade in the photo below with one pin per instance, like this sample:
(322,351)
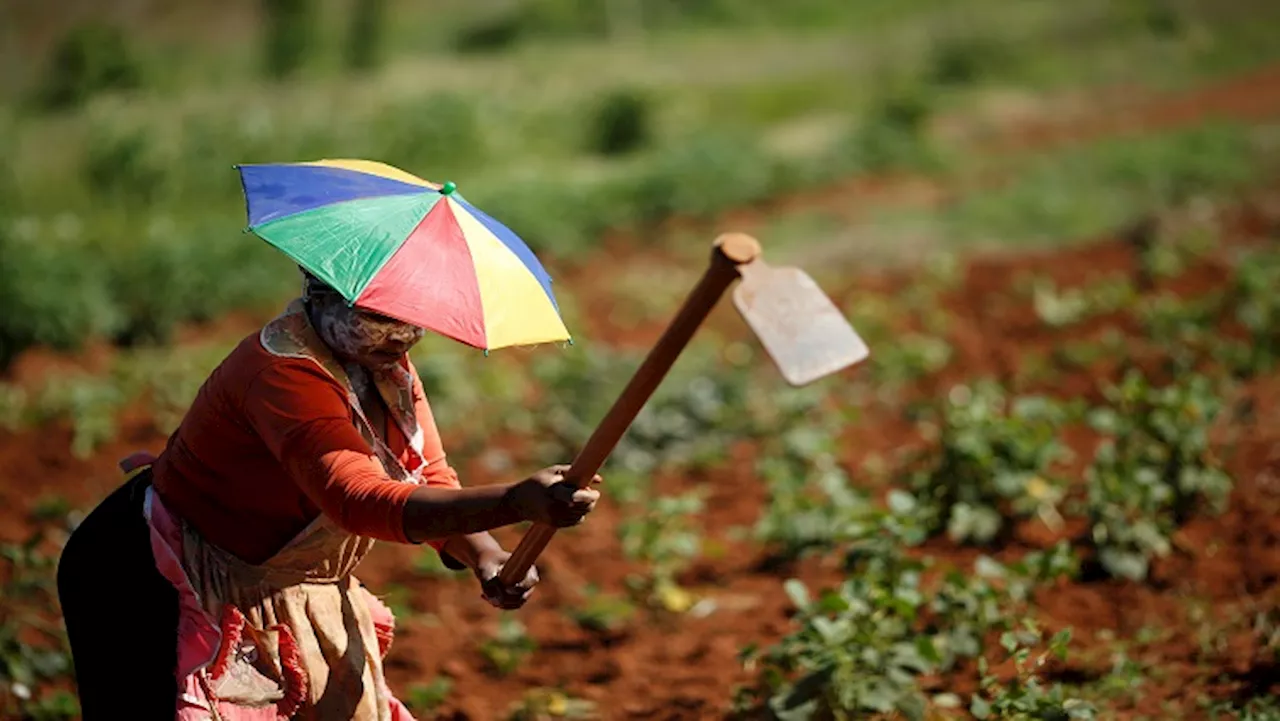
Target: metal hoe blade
(804,333)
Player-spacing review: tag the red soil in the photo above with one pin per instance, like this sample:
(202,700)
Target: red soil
(685,667)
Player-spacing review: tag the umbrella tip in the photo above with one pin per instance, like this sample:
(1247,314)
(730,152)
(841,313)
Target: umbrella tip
(448,188)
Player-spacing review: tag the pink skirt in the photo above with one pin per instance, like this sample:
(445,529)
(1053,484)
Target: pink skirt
(200,637)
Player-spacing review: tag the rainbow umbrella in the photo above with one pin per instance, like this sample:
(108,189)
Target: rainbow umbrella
(404,247)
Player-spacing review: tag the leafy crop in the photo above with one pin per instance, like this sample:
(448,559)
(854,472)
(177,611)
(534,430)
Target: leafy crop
(811,502)
(508,648)
(993,460)
(427,697)
(602,613)
(1063,307)
(665,538)
(862,647)
(1258,708)
(856,650)
(543,704)
(1152,470)
(1257,309)
(1026,698)
(34,654)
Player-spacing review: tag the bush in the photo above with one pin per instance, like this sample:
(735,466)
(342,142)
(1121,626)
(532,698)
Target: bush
(289,35)
(491,34)
(893,135)
(428,134)
(701,176)
(124,164)
(364,36)
(967,59)
(88,60)
(51,294)
(621,123)
(523,21)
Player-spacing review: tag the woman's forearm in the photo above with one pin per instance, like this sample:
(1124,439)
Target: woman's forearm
(433,514)
(468,549)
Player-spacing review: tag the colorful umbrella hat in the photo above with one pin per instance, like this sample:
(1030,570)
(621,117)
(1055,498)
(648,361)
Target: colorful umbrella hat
(398,245)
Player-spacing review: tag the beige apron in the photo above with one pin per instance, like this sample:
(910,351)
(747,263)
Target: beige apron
(298,632)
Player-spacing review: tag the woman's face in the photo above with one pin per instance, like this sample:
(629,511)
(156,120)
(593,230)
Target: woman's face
(374,341)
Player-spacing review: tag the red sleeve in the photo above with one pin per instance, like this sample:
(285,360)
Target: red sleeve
(302,415)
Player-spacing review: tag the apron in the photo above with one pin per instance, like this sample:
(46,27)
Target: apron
(298,636)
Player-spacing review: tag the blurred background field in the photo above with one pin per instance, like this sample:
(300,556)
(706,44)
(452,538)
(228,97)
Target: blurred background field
(888,146)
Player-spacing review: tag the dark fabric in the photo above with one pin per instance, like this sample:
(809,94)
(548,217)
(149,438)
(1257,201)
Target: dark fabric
(121,614)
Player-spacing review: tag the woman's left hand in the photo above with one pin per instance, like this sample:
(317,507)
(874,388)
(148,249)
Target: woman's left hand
(512,597)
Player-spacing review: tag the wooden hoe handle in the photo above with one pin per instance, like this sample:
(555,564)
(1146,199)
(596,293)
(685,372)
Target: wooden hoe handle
(730,251)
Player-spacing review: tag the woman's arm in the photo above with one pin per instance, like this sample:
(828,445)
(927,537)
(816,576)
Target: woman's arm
(446,514)
(545,497)
(302,416)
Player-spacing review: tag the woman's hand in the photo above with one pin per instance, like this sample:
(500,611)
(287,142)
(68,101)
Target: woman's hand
(488,567)
(546,497)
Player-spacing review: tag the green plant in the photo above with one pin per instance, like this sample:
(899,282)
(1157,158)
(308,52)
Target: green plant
(13,403)
(509,646)
(965,606)
(1026,698)
(860,649)
(1124,680)
(701,175)
(1152,470)
(1187,327)
(910,357)
(91,404)
(854,652)
(965,59)
(621,123)
(428,697)
(1258,708)
(125,164)
(34,654)
(400,600)
(89,59)
(893,135)
(1258,310)
(812,504)
(1059,308)
(664,537)
(602,613)
(289,35)
(47,299)
(364,33)
(542,704)
(995,455)
(439,132)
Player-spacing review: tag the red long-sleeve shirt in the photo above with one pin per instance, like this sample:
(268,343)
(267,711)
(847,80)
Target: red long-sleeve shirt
(269,443)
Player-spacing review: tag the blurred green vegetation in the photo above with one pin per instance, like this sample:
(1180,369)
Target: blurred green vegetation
(121,217)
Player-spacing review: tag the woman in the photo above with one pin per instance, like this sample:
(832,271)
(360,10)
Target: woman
(217,583)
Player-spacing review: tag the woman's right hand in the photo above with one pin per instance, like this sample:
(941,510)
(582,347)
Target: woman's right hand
(547,498)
